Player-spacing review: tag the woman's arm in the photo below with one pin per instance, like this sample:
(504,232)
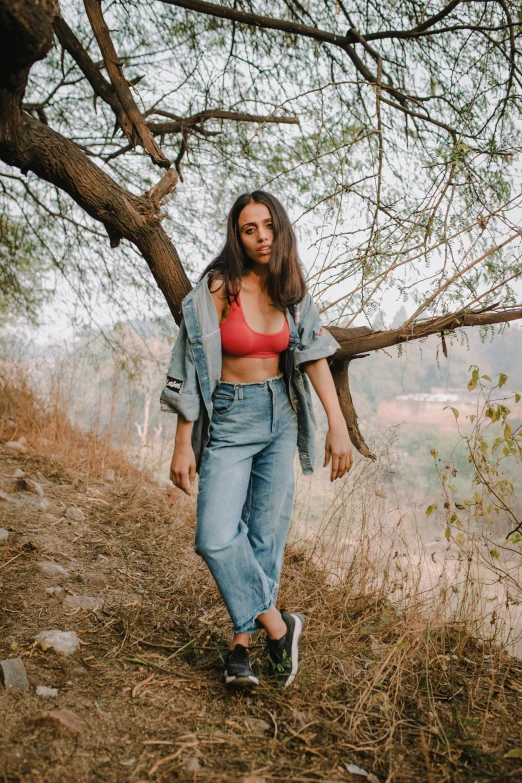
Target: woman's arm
(183,465)
(337,445)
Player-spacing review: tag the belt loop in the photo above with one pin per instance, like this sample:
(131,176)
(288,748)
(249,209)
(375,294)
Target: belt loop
(239,387)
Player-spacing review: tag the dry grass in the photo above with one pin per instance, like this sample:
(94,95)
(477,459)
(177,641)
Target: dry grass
(405,698)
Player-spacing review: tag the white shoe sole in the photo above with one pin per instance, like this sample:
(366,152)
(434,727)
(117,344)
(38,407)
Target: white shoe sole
(241,682)
(298,632)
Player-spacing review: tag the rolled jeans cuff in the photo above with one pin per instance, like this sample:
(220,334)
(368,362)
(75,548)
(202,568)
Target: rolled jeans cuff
(251,625)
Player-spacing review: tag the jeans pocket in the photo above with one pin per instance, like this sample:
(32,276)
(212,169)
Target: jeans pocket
(223,401)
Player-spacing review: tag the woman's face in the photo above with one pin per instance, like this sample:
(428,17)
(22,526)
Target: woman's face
(256,232)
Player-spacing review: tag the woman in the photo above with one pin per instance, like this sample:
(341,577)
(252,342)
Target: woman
(249,339)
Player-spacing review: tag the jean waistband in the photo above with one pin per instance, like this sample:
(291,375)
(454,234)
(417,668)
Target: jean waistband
(253,383)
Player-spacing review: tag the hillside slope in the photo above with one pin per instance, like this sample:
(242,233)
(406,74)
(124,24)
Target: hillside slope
(403,699)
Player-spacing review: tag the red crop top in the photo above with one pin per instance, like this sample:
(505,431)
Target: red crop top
(238,339)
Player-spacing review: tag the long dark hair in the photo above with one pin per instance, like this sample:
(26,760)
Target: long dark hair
(285,282)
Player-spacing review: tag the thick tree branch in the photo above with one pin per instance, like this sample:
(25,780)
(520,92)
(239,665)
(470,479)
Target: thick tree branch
(362,339)
(121,87)
(101,87)
(339,368)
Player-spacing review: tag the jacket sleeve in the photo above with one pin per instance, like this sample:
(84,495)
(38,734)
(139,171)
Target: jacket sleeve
(181,393)
(312,345)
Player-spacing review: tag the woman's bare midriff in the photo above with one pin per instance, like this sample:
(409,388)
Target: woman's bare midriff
(240,369)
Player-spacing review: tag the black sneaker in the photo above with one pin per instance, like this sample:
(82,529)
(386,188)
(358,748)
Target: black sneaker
(283,654)
(238,672)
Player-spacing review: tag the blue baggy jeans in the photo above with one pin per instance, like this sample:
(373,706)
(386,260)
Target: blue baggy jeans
(246,493)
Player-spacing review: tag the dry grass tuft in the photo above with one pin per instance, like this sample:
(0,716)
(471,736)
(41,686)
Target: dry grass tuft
(384,689)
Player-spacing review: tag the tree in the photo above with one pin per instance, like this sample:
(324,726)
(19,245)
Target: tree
(393,126)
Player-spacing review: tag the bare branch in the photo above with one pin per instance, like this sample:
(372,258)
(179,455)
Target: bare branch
(115,70)
(355,341)
(90,70)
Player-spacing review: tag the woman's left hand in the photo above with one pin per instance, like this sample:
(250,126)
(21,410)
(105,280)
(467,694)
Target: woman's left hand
(339,449)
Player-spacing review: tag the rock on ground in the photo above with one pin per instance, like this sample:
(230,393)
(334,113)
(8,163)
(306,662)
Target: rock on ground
(75,514)
(4,534)
(43,690)
(13,447)
(54,590)
(66,721)
(95,580)
(62,642)
(30,486)
(53,569)
(48,542)
(14,675)
(81,601)
(109,475)
(48,519)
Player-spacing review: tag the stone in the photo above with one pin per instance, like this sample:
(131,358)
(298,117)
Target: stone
(28,485)
(75,514)
(96,580)
(48,519)
(192,765)
(48,543)
(253,779)
(14,447)
(53,569)
(43,505)
(81,602)
(353,769)
(43,690)
(94,492)
(65,721)
(14,674)
(54,590)
(4,534)
(23,440)
(256,725)
(5,496)
(62,642)
(109,475)
(19,473)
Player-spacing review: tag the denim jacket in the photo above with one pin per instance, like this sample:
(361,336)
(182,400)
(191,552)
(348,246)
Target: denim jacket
(195,368)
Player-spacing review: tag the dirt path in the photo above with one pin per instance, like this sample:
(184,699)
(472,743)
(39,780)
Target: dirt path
(387,693)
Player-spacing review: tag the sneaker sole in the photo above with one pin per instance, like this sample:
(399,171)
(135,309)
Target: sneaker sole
(241,682)
(299,627)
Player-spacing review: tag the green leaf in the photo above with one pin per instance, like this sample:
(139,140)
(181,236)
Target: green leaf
(454,410)
(517,397)
(514,753)
(508,432)
(434,453)
(460,539)
(471,385)
(502,379)
(431,509)
(486,377)
(460,506)
(494,553)
(447,533)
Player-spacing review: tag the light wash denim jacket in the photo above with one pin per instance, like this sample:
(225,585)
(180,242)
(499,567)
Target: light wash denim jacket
(195,368)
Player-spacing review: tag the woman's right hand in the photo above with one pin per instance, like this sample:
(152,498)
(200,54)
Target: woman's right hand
(183,467)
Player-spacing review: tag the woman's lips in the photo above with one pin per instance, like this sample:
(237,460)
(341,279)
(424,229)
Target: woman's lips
(264,250)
